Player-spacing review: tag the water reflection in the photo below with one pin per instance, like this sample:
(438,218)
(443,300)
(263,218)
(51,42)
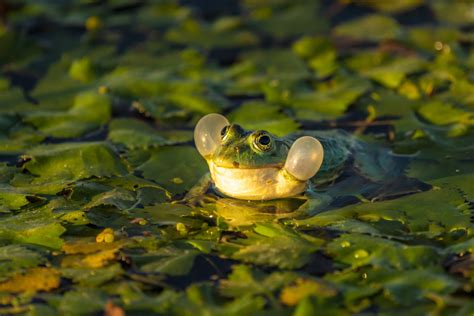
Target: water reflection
(244,213)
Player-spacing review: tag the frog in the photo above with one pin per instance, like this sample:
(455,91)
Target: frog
(256,165)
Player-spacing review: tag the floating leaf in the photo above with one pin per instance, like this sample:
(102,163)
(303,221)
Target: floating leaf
(175,168)
(246,280)
(37,279)
(200,297)
(89,112)
(73,161)
(391,6)
(458,13)
(333,99)
(277,246)
(370,27)
(443,114)
(33,227)
(72,303)
(255,116)
(169,261)
(359,250)
(135,133)
(15,257)
(293,294)
(443,213)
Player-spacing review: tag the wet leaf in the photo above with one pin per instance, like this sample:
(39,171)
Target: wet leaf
(72,303)
(360,250)
(170,261)
(32,227)
(443,212)
(250,115)
(73,161)
(89,111)
(135,133)
(277,246)
(391,6)
(458,13)
(443,114)
(293,294)
(175,168)
(332,99)
(370,27)
(200,297)
(16,257)
(246,280)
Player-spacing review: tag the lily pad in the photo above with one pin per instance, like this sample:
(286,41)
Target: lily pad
(374,27)
(73,161)
(250,115)
(176,168)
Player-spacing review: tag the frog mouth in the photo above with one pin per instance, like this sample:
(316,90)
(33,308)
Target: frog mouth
(263,183)
(237,165)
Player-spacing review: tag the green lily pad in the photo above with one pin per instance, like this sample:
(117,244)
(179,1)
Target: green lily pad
(73,161)
(176,168)
(34,227)
(443,114)
(255,115)
(332,99)
(275,245)
(245,280)
(90,111)
(374,27)
(391,6)
(17,257)
(169,261)
(134,133)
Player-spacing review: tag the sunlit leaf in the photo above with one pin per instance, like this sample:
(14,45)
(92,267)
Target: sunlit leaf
(73,161)
(254,116)
(370,27)
(37,279)
(175,168)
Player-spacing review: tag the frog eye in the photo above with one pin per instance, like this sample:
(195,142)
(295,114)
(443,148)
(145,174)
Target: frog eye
(263,142)
(207,133)
(224,131)
(304,158)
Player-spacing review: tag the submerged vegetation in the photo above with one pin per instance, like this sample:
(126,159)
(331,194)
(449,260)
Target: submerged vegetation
(98,100)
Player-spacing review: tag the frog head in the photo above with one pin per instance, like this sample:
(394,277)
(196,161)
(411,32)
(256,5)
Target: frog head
(256,165)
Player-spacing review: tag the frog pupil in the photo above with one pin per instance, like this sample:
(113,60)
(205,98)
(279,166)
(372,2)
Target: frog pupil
(264,140)
(224,130)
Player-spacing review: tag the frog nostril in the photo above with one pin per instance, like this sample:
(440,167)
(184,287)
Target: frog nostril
(237,129)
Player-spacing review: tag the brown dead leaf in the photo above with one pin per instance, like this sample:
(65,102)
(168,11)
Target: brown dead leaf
(113,310)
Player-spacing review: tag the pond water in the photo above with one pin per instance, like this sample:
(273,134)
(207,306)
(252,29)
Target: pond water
(98,101)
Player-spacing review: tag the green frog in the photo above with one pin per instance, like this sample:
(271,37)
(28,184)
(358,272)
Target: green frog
(257,165)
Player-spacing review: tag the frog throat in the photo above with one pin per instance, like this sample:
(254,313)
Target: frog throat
(265,183)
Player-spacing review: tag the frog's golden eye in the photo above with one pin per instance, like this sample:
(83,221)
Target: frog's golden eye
(263,142)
